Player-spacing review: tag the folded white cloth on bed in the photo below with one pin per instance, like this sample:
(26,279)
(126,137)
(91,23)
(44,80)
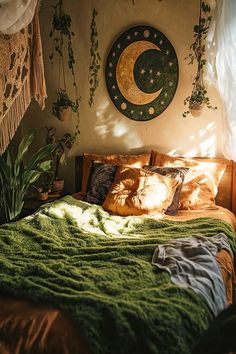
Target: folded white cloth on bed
(191,263)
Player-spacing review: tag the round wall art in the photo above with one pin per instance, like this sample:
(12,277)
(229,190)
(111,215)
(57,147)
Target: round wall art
(142,73)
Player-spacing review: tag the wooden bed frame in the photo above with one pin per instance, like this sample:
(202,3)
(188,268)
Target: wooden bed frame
(226,196)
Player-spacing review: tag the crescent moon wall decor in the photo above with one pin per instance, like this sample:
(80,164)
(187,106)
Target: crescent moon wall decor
(142,73)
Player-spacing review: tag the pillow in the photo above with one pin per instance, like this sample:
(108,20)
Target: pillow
(136,191)
(100,180)
(175,173)
(129,160)
(200,186)
(158,159)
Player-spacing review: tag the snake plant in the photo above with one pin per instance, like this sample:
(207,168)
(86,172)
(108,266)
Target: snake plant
(16,176)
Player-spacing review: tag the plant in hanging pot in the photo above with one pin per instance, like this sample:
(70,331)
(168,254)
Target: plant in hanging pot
(62,46)
(199,97)
(16,176)
(64,105)
(197,101)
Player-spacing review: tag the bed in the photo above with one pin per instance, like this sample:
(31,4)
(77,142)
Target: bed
(75,279)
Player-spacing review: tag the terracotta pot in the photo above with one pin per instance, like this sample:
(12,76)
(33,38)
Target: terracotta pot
(42,195)
(65,114)
(58,185)
(196,109)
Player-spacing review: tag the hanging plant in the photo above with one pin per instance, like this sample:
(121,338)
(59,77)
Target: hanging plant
(64,105)
(95,58)
(199,97)
(62,34)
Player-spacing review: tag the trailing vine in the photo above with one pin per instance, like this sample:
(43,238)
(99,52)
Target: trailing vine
(199,95)
(61,30)
(95,58)
(61,35)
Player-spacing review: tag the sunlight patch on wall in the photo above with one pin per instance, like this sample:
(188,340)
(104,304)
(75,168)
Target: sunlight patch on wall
(204,145)
(208,146)
(110,127)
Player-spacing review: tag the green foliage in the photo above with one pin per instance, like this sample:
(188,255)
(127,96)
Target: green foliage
(63,101)
(95,58)
(62,35)
(61,32)
(16,177)
(60,145)
(198,97)
(197,52)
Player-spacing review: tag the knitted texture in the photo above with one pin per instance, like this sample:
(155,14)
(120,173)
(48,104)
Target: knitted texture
(97,268)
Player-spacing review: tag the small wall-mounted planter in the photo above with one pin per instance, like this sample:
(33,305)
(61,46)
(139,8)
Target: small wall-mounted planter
(196,109)
(64,114)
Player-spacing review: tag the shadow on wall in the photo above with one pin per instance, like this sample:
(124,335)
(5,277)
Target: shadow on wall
(114,129)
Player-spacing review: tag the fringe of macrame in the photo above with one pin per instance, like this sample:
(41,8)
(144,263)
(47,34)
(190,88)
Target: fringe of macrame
(38,78)
(11,120)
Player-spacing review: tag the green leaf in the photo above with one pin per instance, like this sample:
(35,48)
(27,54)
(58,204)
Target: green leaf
(24,146)
(44,166)
(41,154)
(4,169)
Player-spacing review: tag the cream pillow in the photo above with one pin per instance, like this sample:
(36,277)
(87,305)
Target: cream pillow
(200,186)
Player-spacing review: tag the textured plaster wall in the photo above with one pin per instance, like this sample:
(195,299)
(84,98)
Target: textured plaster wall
(103,128)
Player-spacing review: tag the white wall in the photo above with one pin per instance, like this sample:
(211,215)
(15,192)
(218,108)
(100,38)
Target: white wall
(103,128)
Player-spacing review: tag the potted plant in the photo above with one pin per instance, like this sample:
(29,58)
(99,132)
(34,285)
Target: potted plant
(64,105)
(16,176)
(199,97)
(44,186)
(60,144)
(61,35)
(41,193)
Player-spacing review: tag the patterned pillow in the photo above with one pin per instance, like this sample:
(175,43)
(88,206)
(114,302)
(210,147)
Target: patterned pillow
(200,186)
(115,159)
(136,191)
(175,173)
(100,180)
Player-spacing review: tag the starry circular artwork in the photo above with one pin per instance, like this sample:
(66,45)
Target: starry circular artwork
(142,73)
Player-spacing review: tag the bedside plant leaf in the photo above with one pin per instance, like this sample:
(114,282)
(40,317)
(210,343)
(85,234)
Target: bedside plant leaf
(15,177)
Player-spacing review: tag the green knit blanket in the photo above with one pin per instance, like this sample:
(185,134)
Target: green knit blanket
(97,268)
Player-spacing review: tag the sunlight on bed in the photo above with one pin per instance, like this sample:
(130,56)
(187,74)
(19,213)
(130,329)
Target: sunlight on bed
(93,219)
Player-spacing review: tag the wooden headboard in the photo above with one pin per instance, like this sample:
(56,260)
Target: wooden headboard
(226,196)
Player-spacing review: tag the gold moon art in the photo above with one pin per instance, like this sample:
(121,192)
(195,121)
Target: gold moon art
(125,73)
(142,73)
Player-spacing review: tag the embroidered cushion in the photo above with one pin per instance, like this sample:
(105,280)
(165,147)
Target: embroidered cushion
(129,160)
(100,180)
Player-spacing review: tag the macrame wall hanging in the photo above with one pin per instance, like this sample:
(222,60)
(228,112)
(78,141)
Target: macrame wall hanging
(21,68)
